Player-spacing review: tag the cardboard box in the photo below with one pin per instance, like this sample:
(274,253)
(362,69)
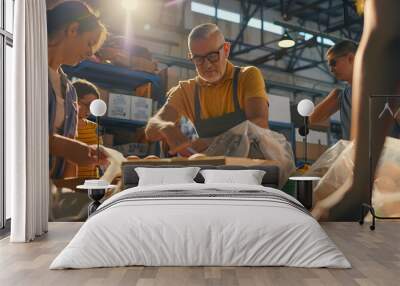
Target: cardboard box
(143,64)
(141,108)
(169,78)
(108,140)
(119,106)
(104,95)
(314,151)
(144,90)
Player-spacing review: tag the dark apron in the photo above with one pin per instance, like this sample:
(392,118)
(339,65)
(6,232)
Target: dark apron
(215,126)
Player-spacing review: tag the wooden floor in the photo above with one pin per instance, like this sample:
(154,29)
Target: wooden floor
(375,256)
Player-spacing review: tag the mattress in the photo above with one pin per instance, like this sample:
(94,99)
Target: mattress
(201,225)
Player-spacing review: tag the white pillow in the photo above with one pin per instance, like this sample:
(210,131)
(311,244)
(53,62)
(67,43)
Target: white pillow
(166,176)
(248,177)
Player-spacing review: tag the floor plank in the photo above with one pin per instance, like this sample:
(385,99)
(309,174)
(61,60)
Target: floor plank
(375,257)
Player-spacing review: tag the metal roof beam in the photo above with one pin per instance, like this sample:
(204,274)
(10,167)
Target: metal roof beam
(310,31)
(304,7)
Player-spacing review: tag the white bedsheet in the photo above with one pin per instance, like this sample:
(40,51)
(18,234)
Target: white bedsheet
(200,231)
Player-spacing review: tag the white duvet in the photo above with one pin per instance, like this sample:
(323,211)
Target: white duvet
(188,231)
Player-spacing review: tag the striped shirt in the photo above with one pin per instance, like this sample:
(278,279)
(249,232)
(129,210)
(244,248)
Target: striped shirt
(87,134)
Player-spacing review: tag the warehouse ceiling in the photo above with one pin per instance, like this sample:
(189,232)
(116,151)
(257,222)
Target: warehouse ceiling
(330,15)
(314,25)
(332,20)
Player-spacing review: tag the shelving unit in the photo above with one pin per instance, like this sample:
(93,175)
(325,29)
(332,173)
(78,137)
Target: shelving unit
(113,77)
(117,122)
(121,80)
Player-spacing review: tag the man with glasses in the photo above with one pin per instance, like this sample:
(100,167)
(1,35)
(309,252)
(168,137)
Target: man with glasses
(220,97)
(341,62)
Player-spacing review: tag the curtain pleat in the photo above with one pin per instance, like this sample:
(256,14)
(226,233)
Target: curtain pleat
(27,133)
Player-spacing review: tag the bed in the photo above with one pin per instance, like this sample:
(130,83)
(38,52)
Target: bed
(197,224)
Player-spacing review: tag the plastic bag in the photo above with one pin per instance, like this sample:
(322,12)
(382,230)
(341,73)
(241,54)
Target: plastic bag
(114,168)
(326,160)
(334,167)
(249,140)
(386,192)
(69,205)
(386,188)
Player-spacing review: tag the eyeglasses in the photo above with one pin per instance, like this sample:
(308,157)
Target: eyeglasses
(212,57)
(333,62)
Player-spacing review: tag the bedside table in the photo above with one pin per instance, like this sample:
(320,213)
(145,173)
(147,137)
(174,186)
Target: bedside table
(95,193)
(304,190)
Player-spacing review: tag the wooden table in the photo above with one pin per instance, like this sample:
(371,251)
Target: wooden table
(215,161)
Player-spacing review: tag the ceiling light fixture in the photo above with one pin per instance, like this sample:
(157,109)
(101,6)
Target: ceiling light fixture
(286,41)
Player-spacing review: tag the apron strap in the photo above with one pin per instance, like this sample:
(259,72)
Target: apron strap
(197,108)
(197,102)
(235,88)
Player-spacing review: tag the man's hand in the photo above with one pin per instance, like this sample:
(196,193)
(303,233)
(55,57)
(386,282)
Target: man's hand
(176,141)
(162,127)
(195,147)
(201,144)
(165,118)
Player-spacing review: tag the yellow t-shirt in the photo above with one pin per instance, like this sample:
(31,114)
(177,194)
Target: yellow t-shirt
(217,99)
(87,134)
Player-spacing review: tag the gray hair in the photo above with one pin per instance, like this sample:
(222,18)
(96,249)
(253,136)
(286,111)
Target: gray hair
(203,31)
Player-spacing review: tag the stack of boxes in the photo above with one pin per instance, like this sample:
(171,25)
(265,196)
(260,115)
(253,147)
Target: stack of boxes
(129,107)
(138,107)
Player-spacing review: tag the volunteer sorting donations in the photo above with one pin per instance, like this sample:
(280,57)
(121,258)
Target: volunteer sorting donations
(222,99)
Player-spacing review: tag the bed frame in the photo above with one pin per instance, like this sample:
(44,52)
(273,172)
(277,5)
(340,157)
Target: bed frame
(130,178)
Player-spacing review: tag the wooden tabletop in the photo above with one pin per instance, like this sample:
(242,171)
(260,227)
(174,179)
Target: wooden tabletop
(215,160)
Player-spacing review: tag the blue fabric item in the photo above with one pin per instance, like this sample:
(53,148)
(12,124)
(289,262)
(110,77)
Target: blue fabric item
(345,115)
(345,112)
(70,119)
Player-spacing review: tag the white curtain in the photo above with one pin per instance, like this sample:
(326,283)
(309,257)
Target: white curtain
(27,153)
